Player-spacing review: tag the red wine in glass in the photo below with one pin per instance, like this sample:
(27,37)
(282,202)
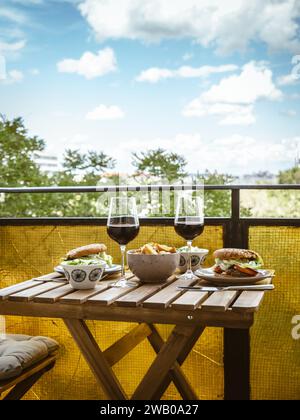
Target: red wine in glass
(189,223)
(122,227)
(189,231)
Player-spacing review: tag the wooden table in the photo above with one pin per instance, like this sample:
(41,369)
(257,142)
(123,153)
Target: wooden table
(146,305)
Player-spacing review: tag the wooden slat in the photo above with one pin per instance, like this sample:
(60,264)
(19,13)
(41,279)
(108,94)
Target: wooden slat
(81,296)
(54,295)
(4,293)
(137,296)
(219,301)
(109,296)
(189,301)
(29,294)
(166,296)
(227,319)
(248,301)
(52,276)
(121,348)
(9,383)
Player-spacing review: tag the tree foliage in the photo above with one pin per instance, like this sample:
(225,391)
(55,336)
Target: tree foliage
(91,162)
(17,151)
(18,168)
(290,176)
(161,163)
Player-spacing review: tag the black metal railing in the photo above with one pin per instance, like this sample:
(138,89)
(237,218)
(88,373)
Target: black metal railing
(235,227)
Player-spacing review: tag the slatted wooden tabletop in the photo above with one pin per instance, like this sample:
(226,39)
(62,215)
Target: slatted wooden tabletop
(44,298)
(146,304)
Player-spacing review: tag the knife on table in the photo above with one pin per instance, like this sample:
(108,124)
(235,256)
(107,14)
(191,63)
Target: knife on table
(263,287)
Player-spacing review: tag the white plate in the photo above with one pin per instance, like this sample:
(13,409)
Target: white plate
(209,275)
(115,268)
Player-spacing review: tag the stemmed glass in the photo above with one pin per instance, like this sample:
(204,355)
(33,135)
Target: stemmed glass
(123,227)
(189,223)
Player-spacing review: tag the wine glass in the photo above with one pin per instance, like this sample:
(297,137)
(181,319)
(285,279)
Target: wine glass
(123,227)
(189,223)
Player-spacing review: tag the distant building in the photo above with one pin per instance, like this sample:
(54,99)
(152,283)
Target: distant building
(263,177)
(47,163)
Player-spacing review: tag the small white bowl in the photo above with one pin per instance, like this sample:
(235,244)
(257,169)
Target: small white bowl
(198,258)
(83,277)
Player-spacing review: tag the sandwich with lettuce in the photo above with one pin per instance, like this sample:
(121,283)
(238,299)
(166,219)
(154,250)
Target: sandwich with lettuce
(89,255)
(237,262)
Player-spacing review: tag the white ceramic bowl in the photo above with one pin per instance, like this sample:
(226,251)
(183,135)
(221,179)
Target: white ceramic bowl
(83,277)
(198,258)
(153,268)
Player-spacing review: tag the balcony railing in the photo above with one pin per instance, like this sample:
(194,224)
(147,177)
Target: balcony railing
(235,226)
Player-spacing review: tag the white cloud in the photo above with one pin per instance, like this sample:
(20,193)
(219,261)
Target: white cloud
(13,15)
(6,47)
(104,112)
(155,74)
(234,97)
(288,79)
(228,26)
(90,65)
(253,83)
(12,76)
(234,154)
(232,114)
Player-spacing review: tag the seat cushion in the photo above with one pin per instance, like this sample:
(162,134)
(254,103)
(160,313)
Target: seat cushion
(19,352)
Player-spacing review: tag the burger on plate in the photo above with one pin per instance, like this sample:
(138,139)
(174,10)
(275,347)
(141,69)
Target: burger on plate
(237,262)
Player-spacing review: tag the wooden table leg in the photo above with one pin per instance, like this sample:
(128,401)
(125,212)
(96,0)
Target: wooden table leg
(236,364)
(164,362)
(95,359)
(23,387)
(175,375)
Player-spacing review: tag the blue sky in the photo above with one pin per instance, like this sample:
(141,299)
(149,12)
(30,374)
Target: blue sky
(215,83)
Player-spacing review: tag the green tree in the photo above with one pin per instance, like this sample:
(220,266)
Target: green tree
(290,176)
(92,162)
(19,169)
(161,163)
(288,200)
(17,152)
(81,169)
(218,203)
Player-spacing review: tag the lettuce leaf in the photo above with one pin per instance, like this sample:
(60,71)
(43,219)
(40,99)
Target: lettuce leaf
(226,264)
(92,260)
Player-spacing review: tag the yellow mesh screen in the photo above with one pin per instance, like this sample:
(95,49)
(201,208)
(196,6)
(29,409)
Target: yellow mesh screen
(275,362)
(31,251)
(275,365)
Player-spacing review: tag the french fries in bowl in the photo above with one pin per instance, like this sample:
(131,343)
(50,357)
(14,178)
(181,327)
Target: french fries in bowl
(153,262)
(157,249)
